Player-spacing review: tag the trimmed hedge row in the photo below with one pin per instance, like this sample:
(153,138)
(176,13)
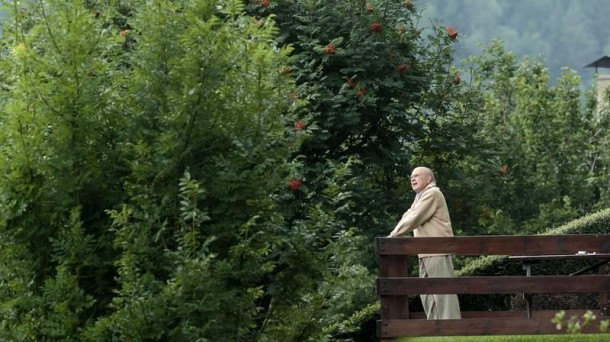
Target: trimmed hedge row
(596,223)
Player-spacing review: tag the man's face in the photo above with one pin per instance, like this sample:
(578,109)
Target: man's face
(419,179)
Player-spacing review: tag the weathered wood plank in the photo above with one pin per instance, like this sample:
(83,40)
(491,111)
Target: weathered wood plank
(394,306)
(538,314)
(496,244)
(493,284)
(393,266)
(470,327)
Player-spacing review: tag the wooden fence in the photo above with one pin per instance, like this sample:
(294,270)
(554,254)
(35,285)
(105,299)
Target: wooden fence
(394,285)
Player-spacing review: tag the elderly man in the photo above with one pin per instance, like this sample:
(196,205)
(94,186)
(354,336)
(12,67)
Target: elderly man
(429,217)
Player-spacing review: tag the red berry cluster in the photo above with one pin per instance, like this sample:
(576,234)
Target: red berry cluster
(300,125)
(329,49)
(451,33)
(295,184)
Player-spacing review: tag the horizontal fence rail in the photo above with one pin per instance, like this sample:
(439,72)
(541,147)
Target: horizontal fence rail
(492,285)
(474,327)
(395,284)
(495,245)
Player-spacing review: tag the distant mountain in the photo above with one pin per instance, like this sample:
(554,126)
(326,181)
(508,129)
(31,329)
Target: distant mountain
(564,33)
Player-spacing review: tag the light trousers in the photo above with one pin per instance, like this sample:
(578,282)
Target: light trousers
(438,306)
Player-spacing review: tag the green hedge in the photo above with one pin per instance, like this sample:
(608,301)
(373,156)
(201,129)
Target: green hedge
(596,223)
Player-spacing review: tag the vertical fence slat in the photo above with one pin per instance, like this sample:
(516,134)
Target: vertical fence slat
(394,306)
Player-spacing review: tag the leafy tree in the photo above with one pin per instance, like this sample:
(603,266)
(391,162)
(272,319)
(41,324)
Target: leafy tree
(145,171)
(382,91)
(541,131)
(104,109)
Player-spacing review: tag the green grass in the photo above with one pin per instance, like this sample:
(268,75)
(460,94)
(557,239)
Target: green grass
(515,338)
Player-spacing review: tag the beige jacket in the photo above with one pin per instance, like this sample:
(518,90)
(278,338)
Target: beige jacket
(427,217)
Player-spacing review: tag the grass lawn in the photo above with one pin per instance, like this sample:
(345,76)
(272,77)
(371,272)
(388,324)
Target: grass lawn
(515,338)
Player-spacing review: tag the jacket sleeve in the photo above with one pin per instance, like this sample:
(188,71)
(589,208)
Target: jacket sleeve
(417,215)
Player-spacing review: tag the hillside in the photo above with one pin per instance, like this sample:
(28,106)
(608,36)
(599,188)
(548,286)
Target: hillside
(564,33)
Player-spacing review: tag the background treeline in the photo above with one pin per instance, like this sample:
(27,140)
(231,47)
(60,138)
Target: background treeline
(563,33)
(218,170)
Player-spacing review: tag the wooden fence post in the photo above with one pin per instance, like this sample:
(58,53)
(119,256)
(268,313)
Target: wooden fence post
(396,307)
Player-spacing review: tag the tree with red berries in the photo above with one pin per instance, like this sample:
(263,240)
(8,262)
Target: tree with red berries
(379,89)
(379,96)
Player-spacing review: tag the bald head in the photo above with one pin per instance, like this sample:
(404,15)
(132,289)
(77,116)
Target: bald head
(420,178)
